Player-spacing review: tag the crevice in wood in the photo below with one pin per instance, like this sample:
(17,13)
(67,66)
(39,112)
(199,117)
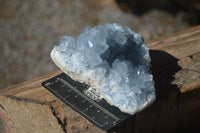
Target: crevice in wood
(25,99)
(1,106)
(195,56)
(60,122)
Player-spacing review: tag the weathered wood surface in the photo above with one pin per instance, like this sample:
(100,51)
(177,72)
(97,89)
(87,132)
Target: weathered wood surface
(184,46)
(179,45)
(28,107)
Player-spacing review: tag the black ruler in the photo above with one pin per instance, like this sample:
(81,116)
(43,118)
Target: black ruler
(84,100)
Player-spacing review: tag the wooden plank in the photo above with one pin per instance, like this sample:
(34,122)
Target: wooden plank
(179,45)
(185,47)
(32,94)
(31,89)
(171,55)
(173,111)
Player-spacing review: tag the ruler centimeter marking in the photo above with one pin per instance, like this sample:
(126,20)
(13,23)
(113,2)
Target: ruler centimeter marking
(85,97)
(77,108)
(79,93)
(100,113)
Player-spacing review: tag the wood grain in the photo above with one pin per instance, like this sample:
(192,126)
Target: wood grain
(179,45)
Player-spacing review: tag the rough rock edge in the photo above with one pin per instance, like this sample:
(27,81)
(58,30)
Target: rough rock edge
(77,77)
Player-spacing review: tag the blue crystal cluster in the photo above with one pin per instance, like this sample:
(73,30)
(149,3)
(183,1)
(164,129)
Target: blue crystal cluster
(114,61)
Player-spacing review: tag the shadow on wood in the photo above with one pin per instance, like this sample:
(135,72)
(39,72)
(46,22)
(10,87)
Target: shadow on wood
(164,66)
(161,115)
(170,112)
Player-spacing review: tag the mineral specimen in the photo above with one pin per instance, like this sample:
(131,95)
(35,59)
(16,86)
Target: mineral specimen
(114,61)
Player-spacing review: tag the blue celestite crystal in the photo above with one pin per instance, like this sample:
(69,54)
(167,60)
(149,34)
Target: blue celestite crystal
(114,61)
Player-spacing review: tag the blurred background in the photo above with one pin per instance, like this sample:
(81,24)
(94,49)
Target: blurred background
(30,29)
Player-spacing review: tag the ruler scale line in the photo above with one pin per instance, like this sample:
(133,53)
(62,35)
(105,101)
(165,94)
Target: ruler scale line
(71,87)
(72,93)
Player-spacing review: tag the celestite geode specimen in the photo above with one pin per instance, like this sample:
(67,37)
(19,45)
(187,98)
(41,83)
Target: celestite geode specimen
(114,61)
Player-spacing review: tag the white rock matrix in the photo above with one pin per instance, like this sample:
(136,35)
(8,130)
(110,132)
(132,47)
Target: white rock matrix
(114,61)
